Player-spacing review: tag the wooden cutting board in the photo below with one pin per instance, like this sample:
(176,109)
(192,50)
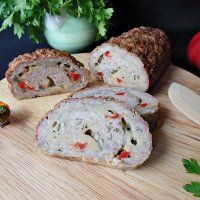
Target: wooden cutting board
(25,173)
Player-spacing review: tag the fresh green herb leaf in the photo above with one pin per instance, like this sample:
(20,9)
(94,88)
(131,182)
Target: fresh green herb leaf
(7,22)
(29,14)
(194,188)
(94,11)
(18,30)
(191,166)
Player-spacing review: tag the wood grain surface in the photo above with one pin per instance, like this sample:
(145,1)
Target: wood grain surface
(25,173)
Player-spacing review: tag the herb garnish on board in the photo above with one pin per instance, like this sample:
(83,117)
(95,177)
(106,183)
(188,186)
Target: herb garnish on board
(192,167)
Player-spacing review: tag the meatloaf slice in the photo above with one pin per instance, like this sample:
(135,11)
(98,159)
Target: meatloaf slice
(96,131)
(134,59)
(145,104)
(45,72)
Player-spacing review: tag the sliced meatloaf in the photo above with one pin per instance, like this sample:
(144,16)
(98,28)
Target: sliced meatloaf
(97,131)
(134,59)
(145,104)
(45,72)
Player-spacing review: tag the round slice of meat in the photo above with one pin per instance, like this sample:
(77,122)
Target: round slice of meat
(45,72)
(134,59)
(145,104)
(96,131)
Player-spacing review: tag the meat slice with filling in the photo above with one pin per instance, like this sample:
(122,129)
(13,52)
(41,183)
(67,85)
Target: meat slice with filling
(97,131)
(134,59)
(145,104)
(45,72)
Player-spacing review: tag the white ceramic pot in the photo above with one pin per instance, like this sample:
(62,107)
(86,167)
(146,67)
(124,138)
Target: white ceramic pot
(68,33)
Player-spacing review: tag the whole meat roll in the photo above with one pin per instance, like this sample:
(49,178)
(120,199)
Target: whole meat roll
(145,104)
(134,59)
(45,72)
(96,131)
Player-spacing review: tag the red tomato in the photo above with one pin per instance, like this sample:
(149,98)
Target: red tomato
(124,154)
(193,50)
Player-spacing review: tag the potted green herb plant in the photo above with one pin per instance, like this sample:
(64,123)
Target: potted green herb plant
(69,25)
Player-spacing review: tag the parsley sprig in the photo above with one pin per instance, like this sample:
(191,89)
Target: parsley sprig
(192,167)
(22,14)
(193,187)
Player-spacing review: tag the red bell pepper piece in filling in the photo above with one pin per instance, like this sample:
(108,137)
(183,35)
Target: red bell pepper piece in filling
(114,116)
(120,93)
(80,146)
(23,85)
(107,54)
(124,154)
(100,74)
(119,80)
(74,76)
(143,105)
(30,87)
